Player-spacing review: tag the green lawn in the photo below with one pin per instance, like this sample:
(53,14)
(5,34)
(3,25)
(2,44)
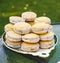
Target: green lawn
(50,8)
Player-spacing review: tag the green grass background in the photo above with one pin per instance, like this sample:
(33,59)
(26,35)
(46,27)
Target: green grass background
(50,8)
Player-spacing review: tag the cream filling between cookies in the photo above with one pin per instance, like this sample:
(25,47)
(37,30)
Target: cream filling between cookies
(14,39)
(47,38)
(42,30)
(13,45)
(31,39)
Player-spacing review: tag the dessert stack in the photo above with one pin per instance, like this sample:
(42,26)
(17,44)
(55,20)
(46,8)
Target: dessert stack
(29,33)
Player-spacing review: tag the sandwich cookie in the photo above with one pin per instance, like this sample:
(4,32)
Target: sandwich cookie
(40,28)
(47,44)
(31,38)
(13,44)
(8,27)
(48,36)
(27,47)
(12,36)
(15,19)
(43,19)
(22,28)
(29,16)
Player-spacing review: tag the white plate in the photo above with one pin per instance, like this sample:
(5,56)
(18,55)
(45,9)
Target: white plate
(41,53)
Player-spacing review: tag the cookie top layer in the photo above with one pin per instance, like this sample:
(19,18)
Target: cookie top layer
(22,26)
(15,19)
(8,27)
(29,16)
(40,26)
(43,19)
(12,34)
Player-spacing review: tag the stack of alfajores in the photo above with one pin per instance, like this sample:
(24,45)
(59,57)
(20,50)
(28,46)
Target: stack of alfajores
(29,32)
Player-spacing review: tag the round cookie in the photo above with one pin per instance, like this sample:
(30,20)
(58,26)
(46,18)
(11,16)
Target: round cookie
(13,44)
(22,28)
(15,19)
(8,27)
(47,36)
(43,19)
(29,16)
(47,44)
(27,47)
(31,38)
(12,36)
(40,28)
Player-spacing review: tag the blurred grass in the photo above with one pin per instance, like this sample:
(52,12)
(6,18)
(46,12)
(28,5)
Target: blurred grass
(50,8)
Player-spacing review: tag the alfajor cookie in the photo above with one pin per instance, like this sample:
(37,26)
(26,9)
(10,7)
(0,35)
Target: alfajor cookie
(40,28)
(13,44)
(12,36)
(22,28)
(29,16)
(31,38)
(43,19)
(47,36)
(8,27)
(47,44)
(27,47)
(15,19)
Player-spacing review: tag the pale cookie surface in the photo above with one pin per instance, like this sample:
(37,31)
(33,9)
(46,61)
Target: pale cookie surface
(15,19)
(12,36)
(43,19)
(22,28)
(29,47)
(8,27)
(31,38)
(40,28)
(47,36)
(47,44)
(29,16)
(13,44)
